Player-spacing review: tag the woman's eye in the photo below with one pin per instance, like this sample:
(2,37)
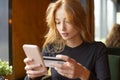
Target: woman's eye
(57,22)
(67,22)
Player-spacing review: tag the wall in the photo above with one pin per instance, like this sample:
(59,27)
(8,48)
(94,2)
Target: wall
(28,26)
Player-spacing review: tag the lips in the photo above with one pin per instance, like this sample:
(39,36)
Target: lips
(64,34)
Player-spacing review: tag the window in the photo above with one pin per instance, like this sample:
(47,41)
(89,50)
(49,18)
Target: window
(105,17)
(4,41)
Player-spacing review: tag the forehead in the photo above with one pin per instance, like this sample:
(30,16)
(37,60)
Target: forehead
(60,13)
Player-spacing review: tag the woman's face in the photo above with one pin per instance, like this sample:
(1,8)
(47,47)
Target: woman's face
(64,27)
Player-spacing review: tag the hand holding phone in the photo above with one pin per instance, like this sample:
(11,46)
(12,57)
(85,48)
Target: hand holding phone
(33,52)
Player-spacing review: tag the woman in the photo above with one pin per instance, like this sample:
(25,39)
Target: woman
(69,39)
(113,37)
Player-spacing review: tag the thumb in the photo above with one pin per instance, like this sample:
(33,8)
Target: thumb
(66,58)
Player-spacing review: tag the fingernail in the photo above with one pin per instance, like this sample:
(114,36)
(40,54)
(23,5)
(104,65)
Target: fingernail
(58,55)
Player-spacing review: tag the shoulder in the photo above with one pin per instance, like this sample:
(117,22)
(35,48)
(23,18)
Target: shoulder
(97,44)
(93,46)
(97,48)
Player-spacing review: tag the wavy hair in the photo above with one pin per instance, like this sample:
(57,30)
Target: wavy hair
(113,37)
(75,13)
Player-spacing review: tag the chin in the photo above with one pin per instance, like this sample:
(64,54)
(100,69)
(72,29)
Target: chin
(66,38)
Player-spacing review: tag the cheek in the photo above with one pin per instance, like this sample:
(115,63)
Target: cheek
(58,29)
(74,32)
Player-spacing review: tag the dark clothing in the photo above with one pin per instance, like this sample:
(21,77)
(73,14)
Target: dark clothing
(93,56)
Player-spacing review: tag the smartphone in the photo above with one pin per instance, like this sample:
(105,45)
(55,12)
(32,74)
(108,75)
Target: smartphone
(33,52)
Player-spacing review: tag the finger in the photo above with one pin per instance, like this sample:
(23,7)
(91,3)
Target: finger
(38,72)
(66,58)
(64,69)
(27,60)
(62,72)
(32,67)
(57,65)
(33,74)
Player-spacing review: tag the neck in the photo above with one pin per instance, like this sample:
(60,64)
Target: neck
(73,43)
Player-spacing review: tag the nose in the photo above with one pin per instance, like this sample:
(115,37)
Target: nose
(63,26)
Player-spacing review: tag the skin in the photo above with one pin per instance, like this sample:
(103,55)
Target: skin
(66,30)
(30,69)
(70,68)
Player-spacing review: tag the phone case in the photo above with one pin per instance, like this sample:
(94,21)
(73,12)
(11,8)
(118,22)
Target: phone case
(33,52)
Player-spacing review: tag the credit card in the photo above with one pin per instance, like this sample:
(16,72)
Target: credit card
(52,60)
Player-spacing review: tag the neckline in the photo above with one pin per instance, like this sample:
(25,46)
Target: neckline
(76,46)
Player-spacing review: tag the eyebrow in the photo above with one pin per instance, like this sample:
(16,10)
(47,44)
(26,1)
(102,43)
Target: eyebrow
(58,19)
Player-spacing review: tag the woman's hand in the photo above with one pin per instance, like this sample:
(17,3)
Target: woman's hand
(34,70)
(71,68)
